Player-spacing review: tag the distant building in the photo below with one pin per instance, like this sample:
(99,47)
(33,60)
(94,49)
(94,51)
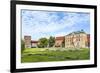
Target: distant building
(88,40)
(78,39)
(59,41)
(27,40)
(34,43)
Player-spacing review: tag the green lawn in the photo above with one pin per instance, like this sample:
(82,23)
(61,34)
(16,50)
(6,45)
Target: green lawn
(44,55)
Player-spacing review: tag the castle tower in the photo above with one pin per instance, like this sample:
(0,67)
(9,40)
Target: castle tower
(27,40)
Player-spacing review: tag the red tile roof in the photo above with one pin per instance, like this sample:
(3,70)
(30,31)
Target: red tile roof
(34,41)
(60,38)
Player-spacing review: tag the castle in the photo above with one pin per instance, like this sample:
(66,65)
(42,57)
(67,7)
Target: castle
(78,39)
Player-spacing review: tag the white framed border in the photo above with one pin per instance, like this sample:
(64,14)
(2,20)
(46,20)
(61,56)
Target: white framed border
(20,65)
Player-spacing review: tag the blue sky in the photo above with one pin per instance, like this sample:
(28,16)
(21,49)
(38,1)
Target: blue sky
(39,24)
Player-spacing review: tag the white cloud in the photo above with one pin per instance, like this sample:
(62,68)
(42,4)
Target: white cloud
(36,22)
(63,33)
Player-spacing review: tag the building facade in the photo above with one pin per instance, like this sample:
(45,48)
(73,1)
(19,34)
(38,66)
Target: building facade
(77,39)
(88,40)
(59,41)
(34,44)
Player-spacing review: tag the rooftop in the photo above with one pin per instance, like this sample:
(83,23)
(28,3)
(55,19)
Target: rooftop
(34,41)
(77,32)
(60,38)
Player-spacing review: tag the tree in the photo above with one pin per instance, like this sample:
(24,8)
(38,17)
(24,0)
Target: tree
(22,45)
(43,42)
(63,43)
(51,41)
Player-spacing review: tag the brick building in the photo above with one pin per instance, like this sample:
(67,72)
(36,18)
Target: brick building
(59,41)
(34,43)
(88,40)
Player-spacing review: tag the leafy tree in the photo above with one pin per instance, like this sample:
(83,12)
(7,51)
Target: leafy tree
(22,45)
(43,42)
(63,43)
(51,41)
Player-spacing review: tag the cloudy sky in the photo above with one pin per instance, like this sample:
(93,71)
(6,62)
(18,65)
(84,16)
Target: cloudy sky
(39,24)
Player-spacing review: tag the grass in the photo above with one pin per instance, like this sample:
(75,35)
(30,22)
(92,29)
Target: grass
(44,55)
